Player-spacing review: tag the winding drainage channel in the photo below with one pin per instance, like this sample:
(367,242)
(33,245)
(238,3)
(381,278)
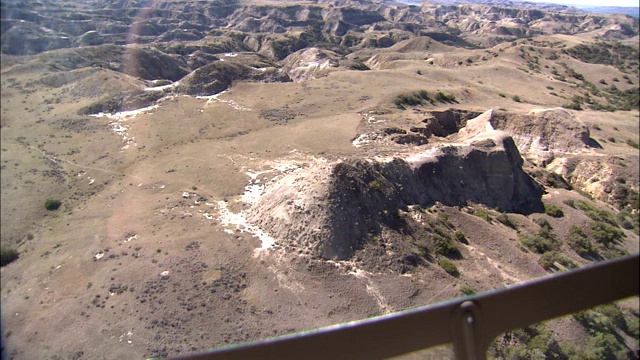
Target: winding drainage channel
(469,323)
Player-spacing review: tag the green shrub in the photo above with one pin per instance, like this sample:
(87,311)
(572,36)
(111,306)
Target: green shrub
(533,342)
(468,290)
(615,315)
(482,213)
(460,236)
(52,205)
(553,211)
(605,233)
(549,259)
(537,243)
(413,99)
(516,98)
(375,184)
(7,255)
(594,322)
(504,219)
(604,346)
(442,97)
(579,242)
(541,242)
(634,327)
(543,223)
(633,144)
(448,266)
(444,245)
(596,214)
(572,106)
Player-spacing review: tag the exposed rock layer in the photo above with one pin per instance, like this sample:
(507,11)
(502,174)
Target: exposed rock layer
(344,203)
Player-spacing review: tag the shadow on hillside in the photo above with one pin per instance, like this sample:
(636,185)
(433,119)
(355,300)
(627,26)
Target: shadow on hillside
(592,143)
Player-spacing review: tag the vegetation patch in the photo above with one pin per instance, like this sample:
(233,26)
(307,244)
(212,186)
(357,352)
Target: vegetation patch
(538,243)
(553,210)
(468,290)
(412,99)
(579,242)
(504,219)
(553,260)
(541,242)
(7,255)
(448,266)
(444,245)
(52,204)
(483,214)
(605,233)
(605,53)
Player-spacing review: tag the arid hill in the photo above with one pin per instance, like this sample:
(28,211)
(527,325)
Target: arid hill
(183,175)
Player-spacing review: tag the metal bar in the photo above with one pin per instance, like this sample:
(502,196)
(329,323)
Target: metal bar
(493,313)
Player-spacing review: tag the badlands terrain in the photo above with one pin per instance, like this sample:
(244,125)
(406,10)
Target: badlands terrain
(228,171)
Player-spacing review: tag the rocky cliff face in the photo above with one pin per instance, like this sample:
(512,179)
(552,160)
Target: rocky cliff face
(345,203)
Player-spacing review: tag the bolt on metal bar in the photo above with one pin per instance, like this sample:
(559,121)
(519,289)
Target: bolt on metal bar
(471,323)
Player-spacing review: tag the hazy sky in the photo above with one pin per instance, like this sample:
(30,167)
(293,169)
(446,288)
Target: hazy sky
(633,3)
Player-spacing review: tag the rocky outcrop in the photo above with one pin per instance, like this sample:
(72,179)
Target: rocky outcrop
(308,63)
(556,130)
(216,77)
(332,209)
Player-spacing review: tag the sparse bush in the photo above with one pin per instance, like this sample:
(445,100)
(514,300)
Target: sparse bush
(594,322)
(573,106)
(605,233)
(553,210)
(615,315)
(467,289)
(551,259)
(482,213)
(444,245)
(533,342)
(516,98)
(543,223)
(52,205)
(541,242)
(448,266)
(596,214)
(504,219)
(413,99)
(442,97)
(579,242)
(537,243)
(604,346)
(459,236)
(7,255)
(375,184)
(633,144)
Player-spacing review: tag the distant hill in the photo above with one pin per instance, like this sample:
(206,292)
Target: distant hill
(631,11)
